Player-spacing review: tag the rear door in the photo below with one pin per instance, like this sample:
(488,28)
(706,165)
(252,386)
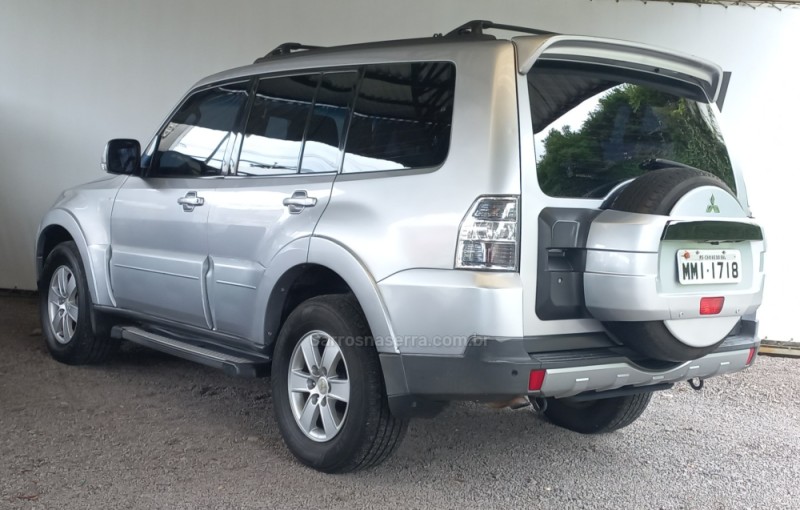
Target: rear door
(158,225)
(289,154)
(594,115)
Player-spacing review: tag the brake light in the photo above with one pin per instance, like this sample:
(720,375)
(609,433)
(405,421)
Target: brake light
(711,305)
(487,237)
(536,380)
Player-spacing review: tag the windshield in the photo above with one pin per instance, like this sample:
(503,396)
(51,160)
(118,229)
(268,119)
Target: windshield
(595,128)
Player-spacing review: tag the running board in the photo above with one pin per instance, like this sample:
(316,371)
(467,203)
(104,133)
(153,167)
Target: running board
(231,362)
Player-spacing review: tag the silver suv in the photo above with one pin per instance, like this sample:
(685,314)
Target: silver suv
(390,226)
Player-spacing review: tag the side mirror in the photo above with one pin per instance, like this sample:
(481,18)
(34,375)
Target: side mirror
(122,156)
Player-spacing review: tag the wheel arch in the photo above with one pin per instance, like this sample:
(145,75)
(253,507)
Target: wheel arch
(329,269)
(295,285)
(59,226)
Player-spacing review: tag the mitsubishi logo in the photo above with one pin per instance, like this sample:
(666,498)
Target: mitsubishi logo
(712,206)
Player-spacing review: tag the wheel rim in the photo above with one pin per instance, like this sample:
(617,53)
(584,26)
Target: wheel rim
(319,386)
(62,304)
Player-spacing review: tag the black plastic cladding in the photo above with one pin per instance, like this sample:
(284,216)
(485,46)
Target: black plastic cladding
(562,260)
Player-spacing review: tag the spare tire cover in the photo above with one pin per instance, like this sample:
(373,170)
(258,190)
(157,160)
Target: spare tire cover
(658,192)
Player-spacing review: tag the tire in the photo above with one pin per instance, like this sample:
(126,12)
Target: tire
(367,432)
(596,416)
(657,192)
(65,307)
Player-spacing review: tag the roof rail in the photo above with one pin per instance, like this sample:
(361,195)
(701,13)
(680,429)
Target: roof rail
(285,49)
(476,27)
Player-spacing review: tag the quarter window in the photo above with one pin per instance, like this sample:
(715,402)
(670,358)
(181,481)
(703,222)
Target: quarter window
(194,141)
(402,117)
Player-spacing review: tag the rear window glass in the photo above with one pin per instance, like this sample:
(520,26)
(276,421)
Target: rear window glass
(402,117)
(594,129)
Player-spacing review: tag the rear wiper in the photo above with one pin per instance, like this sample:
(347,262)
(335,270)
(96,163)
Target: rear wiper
(658,163)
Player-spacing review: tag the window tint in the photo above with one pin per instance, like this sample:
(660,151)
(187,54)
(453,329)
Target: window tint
(595,129)
(193,143)
(322,149)
(273,137)
(402,117)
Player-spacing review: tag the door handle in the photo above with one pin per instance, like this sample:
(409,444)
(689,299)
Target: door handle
(190,201)
(299,201)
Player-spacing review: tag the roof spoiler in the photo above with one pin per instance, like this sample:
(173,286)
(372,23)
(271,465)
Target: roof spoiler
(637,56)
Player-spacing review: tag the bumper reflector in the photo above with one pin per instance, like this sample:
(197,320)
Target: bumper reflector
(536,380)
(711,305)
(750,356)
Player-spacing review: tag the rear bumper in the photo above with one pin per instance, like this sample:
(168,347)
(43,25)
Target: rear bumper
(585,365)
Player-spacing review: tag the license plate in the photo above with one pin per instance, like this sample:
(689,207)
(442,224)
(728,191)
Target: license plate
(697,267)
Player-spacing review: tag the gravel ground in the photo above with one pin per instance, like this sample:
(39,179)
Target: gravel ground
(151,431)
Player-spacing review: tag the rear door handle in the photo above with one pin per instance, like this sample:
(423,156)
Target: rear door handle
(190,201)
(299,201)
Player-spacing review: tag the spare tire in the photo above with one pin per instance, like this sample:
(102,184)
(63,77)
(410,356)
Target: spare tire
(658,192)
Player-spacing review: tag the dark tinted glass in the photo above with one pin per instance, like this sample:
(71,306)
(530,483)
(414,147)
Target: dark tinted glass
(402,117)
(322,149)
(273,138)
(595,130)
(193,143)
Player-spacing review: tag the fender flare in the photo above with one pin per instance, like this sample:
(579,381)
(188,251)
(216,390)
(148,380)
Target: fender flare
(64,219)
(329,253)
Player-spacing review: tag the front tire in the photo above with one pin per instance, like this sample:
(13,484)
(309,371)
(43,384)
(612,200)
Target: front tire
(328,392)
(596,416)
(65,310)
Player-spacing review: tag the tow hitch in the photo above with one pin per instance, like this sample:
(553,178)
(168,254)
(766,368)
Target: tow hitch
(696,383)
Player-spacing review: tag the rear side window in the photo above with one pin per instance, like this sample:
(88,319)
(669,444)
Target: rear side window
(326,126)
(402,117)
(194,141)
(595,128)
(273,137)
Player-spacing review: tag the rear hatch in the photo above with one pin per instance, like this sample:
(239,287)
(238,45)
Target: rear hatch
(596,114)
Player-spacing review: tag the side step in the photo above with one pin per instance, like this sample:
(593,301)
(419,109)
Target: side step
(232,362)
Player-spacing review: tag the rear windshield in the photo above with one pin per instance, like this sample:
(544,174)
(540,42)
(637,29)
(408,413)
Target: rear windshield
(595,128)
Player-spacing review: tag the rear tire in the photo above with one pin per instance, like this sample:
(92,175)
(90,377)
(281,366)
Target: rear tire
(597,416)
(364,432)
(65,307)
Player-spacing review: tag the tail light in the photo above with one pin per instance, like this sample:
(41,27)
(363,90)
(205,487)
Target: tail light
(487,238)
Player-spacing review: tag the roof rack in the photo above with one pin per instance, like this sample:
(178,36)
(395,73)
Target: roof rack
(285,49)
(477,26)
(474,28)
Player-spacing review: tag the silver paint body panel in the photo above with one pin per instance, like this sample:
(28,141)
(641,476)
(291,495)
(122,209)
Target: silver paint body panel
(159,251)
(248,227)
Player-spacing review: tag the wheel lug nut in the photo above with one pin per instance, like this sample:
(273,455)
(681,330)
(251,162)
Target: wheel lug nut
(310,384)
(324,401)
